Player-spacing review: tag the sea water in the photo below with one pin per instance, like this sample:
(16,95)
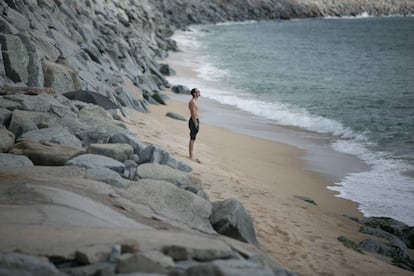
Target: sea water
(349,79)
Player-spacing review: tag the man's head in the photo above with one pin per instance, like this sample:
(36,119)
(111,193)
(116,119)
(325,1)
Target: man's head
(195,92)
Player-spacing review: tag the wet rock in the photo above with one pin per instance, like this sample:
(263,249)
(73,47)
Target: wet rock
(375,246)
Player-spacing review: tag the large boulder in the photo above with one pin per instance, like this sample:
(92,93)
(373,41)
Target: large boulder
(46,153)
(381,248)
(21,61)
(128,138)
(153,154)
(94,161)
(14,264)
(40,103)
(107,176)
(120,152)
(23,121)
(163,172)
(60,77)
(58,135)
(172,204)
(389,225)
(230,218)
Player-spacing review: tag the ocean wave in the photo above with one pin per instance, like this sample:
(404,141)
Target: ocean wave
(372,189)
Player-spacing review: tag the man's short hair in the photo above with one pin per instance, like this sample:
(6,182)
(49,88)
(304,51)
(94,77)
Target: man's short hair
(193,91)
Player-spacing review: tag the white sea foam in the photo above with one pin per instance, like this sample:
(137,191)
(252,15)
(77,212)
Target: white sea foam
(237,23)
(381,191)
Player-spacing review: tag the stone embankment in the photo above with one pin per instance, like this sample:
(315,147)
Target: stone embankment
(80,195)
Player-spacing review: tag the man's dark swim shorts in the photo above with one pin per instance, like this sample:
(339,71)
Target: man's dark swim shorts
(193,128)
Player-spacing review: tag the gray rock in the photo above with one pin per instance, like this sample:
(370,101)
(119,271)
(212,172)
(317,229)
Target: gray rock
(14,264)
(230,267)
(378,247)
(408,237)
(24,121)
(17,19)
(8,160)
(173,204)
(166,70)
(389,225)
(163,172)
(108,176)
(120,152)
(6,139)
(103,268)
(153,154)
(230,218)
(46,153)
(5,116)
(130,169)
(385,235)
(90,130)
(57,135)
(128,138)
(60,77)
(95,111)
(306,199)
(150,262)
(41,103)
(175,116)
(10,105)
(94,161)
(44,45)
(181,89)
(21,61)
(92,254)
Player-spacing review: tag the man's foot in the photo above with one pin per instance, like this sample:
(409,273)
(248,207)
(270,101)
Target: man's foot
(195,160)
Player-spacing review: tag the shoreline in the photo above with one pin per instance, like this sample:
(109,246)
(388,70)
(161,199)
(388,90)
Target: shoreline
(265,176)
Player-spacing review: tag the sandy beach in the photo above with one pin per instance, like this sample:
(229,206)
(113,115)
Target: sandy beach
(266,176)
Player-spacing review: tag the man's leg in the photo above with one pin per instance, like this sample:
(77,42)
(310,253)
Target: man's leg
(190,148)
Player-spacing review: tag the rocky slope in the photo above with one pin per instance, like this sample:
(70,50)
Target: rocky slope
(80,195)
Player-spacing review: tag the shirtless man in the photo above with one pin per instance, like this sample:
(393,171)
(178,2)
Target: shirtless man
(193,122)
